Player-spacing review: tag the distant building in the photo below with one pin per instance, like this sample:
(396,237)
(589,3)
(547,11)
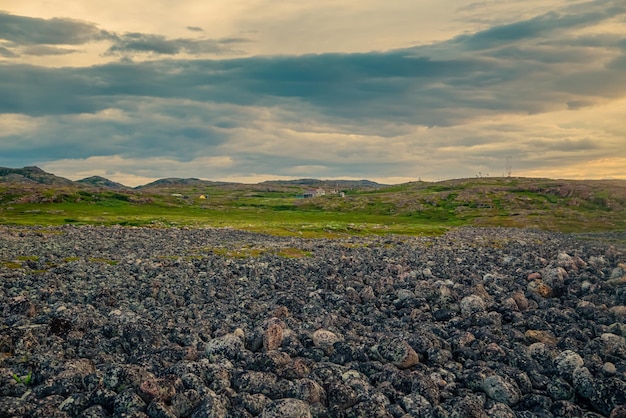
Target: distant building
(314,193)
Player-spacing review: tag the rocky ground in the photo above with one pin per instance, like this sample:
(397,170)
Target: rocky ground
(133,322)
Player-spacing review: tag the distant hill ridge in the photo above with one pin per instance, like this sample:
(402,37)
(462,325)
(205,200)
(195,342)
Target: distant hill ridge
(98,181)
(35,175)
(326,184)
(32,175)
(613,191)
(174,181)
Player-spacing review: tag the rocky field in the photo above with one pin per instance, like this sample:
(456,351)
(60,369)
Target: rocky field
(134,322)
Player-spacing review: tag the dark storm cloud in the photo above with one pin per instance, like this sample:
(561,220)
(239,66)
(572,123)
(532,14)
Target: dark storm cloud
(348,85)
(396,85)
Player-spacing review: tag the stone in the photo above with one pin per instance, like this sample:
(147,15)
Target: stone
(609,368)
(545,337)
(472,304)
(520,300)
(397,352)
(608,395)
(501,410)
(540,288)
(228,346)
(309,391)
(618,412)
(567,361)
(325,339)
(287,408)
(560,390)
(273,335)
(128,402)
(502,389)
(367,294)
(212,407)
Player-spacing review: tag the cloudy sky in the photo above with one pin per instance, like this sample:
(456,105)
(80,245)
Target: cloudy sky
(250,90)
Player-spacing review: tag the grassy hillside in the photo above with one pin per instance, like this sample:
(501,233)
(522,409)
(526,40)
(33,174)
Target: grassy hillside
(278,207)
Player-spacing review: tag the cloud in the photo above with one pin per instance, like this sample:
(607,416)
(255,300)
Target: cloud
(146,140)
(23,30)
(546,90)
(146,170)
(144,128)
(195,28)
(36,36)
(565,145)
(46,50)
(358,91)
(157,44)
(534,28)
(7,53)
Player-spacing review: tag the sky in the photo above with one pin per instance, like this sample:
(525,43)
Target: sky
(247,91)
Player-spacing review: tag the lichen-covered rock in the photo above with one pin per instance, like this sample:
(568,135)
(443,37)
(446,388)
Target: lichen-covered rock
(253,403)
(608,395)
(228,346)
(502,389)
(19,305)
(367,294)
(308,390)
(161,389)
(567,361)
(469,406)
(501,410)
(183,403)
(341,396)
(472,304)
(566,409)
(462,324)
(74,404)
(618,412)
(273,335)
(375,405)
(560,390)
(128,402)
(583,382)
(212,407)
(539,287)
(96,411)
(397,352)
(325,339)
(287,408)
(415,404)
(255,382)
(520,300)
(158,409)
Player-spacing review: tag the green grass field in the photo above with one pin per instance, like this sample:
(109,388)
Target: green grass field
(410,209)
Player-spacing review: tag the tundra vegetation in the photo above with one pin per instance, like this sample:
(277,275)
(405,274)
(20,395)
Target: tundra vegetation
(278,208)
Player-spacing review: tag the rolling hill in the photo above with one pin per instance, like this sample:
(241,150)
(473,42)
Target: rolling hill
(32,196)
